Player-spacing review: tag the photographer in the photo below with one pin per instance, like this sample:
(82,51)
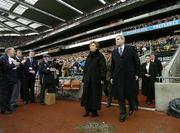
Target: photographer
(47,76)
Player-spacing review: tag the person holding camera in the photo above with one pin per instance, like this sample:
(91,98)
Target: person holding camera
(47,77)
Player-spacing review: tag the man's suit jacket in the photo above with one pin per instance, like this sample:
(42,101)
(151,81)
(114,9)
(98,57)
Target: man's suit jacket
(123,71)
(7,73)
(159,66)
(152,71)
(33,65)
(1,63)
(20,69)
(148,82)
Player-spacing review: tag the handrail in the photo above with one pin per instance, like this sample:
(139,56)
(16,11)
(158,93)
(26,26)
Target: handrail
(164,79)
(170,69)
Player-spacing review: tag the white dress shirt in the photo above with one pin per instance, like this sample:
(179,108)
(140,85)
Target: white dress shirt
(10,60)
(147,67)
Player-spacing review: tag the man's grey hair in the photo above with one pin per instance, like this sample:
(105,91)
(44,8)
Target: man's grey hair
(8,49)
(120,35)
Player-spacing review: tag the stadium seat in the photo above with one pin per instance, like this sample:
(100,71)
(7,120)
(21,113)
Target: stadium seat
(75,84)
(67,85)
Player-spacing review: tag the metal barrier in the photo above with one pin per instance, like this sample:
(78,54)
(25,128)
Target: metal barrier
(171,69)
(164,79)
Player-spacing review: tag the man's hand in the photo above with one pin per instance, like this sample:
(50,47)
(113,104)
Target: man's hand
(32,72)
(23,62)
(137,77)
(111,81)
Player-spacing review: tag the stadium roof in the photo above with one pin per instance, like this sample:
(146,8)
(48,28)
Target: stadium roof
(28,17)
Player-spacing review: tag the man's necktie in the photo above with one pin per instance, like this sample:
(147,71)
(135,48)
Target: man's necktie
(31,61)
(120,51)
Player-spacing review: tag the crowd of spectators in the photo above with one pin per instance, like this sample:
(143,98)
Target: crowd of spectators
(111,7)
(8,41)
(158,21)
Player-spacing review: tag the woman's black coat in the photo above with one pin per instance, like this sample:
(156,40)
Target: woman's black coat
(94,73)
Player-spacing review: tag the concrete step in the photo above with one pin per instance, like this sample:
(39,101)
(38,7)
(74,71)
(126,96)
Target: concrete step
(177,75)
(176,81)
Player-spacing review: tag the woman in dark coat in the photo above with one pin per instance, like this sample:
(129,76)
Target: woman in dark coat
(94,76)
(148,73)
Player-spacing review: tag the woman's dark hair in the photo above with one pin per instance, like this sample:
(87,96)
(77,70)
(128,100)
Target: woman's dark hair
(31,50)
(18,50)
(96,43)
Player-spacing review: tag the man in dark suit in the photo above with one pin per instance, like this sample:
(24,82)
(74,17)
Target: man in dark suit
(148,75)
(31,68)
(125,69)
(1,63)
(7,79)
(19,72)
(158,64)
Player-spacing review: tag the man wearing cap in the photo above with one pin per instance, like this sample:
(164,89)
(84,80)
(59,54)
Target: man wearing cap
(47,78)
(125,69)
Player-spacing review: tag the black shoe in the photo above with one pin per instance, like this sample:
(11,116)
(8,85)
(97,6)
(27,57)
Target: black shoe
(26,102)
(86,114)
(5,112)
(131,109)
(131,112)
(16,105)
(108,105)
(33,102)
(122,117)
(122,108)
(148,102)
(42,103)
(136,107)
(12,108)
(94,115)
